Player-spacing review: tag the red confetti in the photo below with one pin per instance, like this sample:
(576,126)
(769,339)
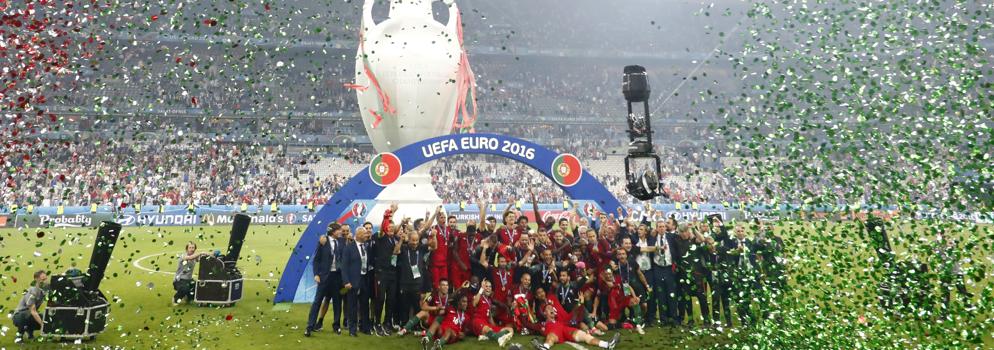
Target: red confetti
(266,6)
(155,18)
(13,278)
(229,317)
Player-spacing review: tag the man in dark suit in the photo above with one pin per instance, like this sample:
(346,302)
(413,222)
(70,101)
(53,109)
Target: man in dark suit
(664,259)
(337,243)
(769,266)
(682,241)
(721,281)
(356,261)
(741,256)
(322,262)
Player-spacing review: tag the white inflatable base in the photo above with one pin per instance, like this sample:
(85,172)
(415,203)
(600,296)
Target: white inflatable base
(414,195)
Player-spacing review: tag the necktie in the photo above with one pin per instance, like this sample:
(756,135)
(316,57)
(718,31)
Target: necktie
(362,258)
(743,257)
(334,264)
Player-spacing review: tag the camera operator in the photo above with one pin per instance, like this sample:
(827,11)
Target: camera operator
(183,282)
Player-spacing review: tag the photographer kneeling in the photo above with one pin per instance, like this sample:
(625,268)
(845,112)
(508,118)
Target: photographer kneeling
(26,317)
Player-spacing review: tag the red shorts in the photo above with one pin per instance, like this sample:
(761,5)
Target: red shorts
(617,305)
(439,273)
(476,326)
(563,333)
(455,329)
(457,276)
(503,317)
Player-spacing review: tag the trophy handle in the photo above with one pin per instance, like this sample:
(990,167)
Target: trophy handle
(367,16)
(451,27)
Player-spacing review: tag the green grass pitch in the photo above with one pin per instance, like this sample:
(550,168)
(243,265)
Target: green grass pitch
(138,283)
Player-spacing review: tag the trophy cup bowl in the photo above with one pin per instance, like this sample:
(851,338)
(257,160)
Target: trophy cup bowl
(415,61)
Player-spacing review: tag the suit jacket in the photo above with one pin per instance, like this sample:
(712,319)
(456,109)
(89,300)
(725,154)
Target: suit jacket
(352,264)
(322,259)
(670,240)
(338,251)
(732,259)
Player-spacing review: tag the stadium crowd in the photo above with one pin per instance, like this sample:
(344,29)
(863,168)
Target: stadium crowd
(203,169)
(568,281)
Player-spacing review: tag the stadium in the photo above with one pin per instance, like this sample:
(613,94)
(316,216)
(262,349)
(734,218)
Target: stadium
(497,174)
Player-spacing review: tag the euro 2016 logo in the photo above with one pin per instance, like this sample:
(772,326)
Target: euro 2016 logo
(566,170)
(384,169)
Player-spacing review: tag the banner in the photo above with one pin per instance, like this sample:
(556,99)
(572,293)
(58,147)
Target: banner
(213,216)
(48,220)
(260,219)
(159,219)
(463,216)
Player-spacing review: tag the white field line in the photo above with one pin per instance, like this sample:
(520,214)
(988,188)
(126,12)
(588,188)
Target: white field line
(137,264)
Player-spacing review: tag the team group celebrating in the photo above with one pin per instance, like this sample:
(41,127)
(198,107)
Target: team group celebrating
(573,280)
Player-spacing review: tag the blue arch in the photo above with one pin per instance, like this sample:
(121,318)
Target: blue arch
(362,188)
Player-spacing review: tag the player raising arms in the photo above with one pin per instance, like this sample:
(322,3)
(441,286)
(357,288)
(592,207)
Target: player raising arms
(558,332)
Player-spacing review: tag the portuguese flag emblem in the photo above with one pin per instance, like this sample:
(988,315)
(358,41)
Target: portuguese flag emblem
(385,169)
(566,170)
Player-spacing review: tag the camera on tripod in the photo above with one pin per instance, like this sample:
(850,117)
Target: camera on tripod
(642,165)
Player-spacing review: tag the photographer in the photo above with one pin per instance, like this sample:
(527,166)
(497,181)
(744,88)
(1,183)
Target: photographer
(26,317)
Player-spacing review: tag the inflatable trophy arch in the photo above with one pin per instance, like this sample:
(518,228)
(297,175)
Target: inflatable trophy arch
(414,86)
(349,204)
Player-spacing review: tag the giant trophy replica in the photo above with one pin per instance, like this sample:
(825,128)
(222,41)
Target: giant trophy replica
(411,75)
(76,308)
